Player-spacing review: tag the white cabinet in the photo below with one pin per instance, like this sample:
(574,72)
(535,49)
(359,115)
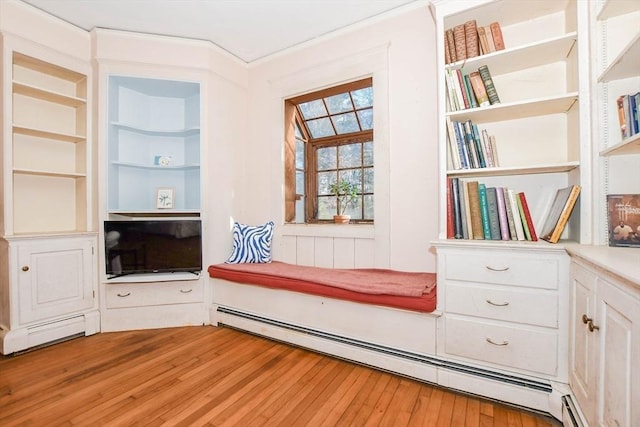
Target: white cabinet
(48,261)
(49,290)
(504,310)
(605,344)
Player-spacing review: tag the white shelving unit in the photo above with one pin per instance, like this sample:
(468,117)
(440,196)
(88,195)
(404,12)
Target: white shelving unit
(149,119)
(541,119)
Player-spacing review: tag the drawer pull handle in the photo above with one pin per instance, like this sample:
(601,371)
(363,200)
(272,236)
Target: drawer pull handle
(25,268)
(497,269)
(124,295)
(186,291)
(498,304)
(589,321)
(490,341)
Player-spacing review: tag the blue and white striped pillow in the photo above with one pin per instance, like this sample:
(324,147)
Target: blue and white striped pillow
(251,243)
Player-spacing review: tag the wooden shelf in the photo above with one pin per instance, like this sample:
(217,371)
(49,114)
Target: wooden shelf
(24,171)
(625,65)
(156,167)
(40,133)
(613,8)
(46,95)
(522,57)
(517,110)
(630,145)
(516,170)
(157,132)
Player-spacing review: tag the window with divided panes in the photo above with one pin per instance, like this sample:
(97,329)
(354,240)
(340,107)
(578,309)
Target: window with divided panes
(329,139)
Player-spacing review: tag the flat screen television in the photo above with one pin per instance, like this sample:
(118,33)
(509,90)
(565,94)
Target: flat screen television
(153,246)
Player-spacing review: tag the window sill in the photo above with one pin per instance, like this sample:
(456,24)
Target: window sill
(358,231)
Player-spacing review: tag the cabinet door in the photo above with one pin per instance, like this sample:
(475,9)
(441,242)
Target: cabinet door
(54,279)
(619,371)
(582,357)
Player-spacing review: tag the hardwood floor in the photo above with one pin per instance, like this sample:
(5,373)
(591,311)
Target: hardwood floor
(205,375)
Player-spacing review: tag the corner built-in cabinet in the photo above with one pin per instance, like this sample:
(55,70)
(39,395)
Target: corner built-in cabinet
(48,256)
(154,144)
(152,160)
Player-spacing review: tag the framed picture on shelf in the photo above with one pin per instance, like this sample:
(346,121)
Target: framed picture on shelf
(623,216)
(164,198)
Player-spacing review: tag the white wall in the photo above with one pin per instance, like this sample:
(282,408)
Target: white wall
(399,51)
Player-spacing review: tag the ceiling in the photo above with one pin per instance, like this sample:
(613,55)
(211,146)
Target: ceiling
(248,29)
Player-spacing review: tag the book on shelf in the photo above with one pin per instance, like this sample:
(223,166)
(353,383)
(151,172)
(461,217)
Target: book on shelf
(469,147)
(450,232)
(447,52)
(479,90)
(485,74)
(503,221)
(474,210)
(517,220)
(457,217)
(559,213)
(628,116)
(460,42)
(490,45)
(482,39)
(509,212)
(530,230)
(471,38)
(466,219)
(623,220)
(484,211)
(462,90)
(473,103)
(496,35)
(451,45)
(494,221)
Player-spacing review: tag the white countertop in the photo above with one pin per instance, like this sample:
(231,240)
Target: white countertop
(622,262)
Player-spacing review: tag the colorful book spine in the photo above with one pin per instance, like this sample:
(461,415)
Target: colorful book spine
(517,220)
(450,232)
(482,39)
(473,103)
(510,218)
(451,45)
(471,38)
(496,34)
(457,219)
(460,42)
(474,208)
(484,211)
(502,214)
(494,221)
(527,215)
(463,210)
(482,98)
(485,74)
(566,213)
(523,218)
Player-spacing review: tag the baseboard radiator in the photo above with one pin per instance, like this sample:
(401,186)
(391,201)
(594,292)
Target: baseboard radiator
(413,357)
(570,414)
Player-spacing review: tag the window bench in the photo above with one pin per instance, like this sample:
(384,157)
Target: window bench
(386,331)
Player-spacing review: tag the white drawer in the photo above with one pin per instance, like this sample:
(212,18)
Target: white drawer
(503,268)
(518,305)
(119,295)
(521,348)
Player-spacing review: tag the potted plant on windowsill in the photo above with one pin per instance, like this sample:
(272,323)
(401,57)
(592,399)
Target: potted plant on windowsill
(346,194)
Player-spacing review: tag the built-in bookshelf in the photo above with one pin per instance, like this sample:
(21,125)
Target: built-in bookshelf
(537,122)
(615,50)
(153,146)
(48,153)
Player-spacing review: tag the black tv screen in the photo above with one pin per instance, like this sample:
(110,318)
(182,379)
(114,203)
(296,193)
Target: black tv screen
(153,246)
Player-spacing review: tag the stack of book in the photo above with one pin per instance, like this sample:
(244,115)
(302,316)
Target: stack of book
(472,90)
(469,147)
(628,115)
(469,40)
(478,212)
